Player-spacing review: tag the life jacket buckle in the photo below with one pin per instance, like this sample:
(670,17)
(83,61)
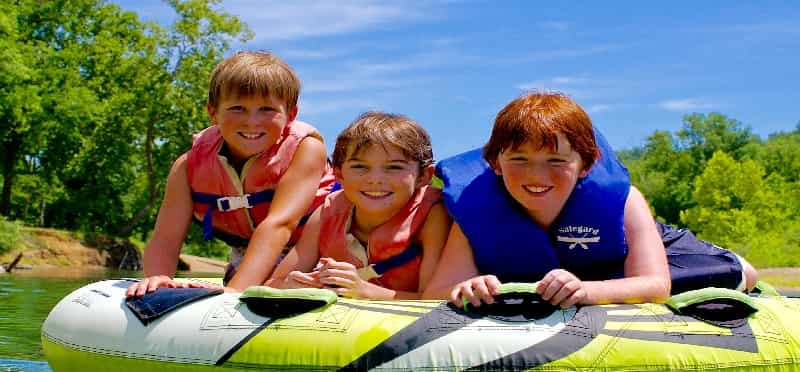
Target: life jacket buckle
(229,203)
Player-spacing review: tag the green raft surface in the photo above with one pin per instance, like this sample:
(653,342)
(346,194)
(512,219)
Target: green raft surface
(92,329)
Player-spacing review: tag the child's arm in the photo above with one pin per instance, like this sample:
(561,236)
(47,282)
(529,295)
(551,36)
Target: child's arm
(293,195)
(457,275)
(647,276)
(434,236)
(301,259)
(163,249)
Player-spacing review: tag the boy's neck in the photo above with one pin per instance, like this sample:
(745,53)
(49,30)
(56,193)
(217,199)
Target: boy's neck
(236,164)
(363,225)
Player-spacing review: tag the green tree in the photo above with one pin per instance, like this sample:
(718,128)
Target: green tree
(95,105)
(188,50)
(667,165)
(740,208)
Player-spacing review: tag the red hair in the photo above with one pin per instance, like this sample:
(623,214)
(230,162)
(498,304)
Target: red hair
(538,117)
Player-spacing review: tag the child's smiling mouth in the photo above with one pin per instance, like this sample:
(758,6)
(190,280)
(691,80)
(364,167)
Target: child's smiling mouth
(537,189)
(251,136)
(376,194)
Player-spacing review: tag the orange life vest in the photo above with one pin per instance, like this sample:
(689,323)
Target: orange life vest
(232,204)
(393,248)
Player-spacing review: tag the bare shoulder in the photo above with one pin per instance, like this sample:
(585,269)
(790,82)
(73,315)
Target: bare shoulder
(437,221)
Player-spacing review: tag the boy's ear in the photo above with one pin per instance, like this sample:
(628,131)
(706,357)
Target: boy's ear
(585,172)
(337,173)
(212,111)
(425,175)
(495,168)
(292,114)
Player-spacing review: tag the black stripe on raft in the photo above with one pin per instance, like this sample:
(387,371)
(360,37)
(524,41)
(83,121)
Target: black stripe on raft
(578,332)
(592,320)
(441,321)
(243,341)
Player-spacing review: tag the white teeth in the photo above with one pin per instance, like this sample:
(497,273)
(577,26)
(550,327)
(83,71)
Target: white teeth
(376,194)
(251,135)
(537,189)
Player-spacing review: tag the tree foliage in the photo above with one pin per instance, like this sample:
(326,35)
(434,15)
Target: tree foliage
(721,181)
(95,104)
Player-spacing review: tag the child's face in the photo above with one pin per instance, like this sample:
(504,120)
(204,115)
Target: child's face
(540,179)
(250,125)
(378,180)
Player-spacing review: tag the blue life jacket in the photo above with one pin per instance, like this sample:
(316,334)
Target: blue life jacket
(586,239)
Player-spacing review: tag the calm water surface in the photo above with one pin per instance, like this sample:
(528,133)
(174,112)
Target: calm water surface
(26,297)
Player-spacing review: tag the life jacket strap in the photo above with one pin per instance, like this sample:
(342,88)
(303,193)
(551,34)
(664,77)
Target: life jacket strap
(397,260)
(228,203)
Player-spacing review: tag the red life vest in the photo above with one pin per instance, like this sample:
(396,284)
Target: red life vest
(393,248)
(235,204)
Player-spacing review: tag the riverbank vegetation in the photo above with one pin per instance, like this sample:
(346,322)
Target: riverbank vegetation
(95,104)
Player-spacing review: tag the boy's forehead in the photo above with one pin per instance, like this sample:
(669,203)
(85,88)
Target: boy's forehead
(560,145)
(359,150)
(241,95)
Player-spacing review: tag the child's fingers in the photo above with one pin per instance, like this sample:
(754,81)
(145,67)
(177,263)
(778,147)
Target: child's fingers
(302,277)
(338,265)
(349,274)
(493,284)
(481,291)
(466,291)
(337,282)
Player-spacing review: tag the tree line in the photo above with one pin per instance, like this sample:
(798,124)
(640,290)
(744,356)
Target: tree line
(717,178)
(96,103)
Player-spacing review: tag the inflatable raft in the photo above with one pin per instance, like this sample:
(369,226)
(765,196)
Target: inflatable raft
(94,329)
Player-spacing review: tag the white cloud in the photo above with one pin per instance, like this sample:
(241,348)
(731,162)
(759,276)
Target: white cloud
(547,55)
(555,25)
(594,109)
(686,104)
(288,20)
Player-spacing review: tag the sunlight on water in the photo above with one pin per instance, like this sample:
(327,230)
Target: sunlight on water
(10,365)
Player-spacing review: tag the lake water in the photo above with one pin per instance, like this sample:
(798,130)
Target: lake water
(26,298)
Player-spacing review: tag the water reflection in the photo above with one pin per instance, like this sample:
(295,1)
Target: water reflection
(10,365)
(26,298)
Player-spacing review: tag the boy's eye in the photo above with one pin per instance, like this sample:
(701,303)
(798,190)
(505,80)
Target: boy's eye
(556,161)
(395,167)
(266,109)
(518,159)
(235,108)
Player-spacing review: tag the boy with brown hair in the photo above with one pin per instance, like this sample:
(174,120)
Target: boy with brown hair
(250,178)
(381,236)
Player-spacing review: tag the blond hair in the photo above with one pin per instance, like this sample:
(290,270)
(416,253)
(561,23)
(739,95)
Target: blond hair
(254,74)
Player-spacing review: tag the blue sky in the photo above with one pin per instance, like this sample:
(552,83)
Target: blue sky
(451,65)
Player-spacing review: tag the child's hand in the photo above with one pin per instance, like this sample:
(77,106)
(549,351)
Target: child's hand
(299,279)
(342,277)
(151,283)
(561,287)
(481,288)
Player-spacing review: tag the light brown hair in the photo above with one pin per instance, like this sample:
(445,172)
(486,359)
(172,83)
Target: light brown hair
(254,74)
(537,117)
(382,129)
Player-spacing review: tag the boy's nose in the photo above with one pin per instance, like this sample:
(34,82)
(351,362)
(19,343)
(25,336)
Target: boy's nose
(538,169)
(375,176)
